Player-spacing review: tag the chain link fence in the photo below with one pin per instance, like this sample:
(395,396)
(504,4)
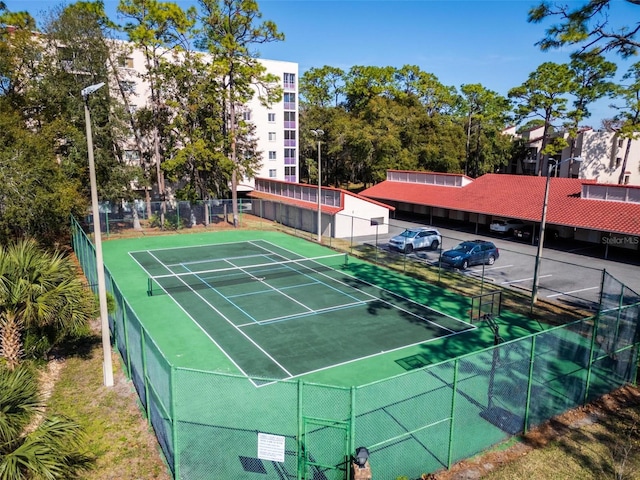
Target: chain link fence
(211,425)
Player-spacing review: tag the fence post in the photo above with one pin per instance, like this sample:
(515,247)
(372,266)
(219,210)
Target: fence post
(300,446)
(351,238)
(144,374)
(125,332)
(604,274)
(352,426)
(529,383)
(174,423)
(453,407)
(594,334)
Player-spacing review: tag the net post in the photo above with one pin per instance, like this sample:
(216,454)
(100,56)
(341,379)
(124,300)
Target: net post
(149,287)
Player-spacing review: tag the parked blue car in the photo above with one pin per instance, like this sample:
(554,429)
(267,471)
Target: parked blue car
(475,252)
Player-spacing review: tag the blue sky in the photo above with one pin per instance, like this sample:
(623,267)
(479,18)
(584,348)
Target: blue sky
(459,41)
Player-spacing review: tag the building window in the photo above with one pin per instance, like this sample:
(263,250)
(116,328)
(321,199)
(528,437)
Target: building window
(289,80)
(272,173)
(289,138)
(290,171)
(289,101)
(289,119)
(272,155)
(618,161)
(125,62)
(271,117)
(246,116)
(272,136)
(128,87)
(620,142)
(133,109)
(626,179)
(289,156)
(132,157)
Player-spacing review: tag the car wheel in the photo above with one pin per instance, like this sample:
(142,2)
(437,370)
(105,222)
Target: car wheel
(465,264)
(408,248)
(491,260)
(434,245)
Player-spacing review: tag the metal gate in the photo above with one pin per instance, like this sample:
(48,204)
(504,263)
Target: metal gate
(324,449)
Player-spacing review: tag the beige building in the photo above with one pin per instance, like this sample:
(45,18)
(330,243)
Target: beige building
(276,126)
(602,155)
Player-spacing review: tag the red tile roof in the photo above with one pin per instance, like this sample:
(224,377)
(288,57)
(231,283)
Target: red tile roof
(521,197)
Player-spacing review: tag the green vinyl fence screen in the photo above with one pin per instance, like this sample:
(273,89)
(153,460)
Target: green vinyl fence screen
(211,425)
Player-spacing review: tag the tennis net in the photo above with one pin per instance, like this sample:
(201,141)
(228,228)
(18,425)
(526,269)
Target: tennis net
(239,274)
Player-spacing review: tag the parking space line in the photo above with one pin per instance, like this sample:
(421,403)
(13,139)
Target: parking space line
(508,282)
(572,291)
(486,269)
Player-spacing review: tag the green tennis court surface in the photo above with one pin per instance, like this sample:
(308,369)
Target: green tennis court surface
(277,314)
(266,304)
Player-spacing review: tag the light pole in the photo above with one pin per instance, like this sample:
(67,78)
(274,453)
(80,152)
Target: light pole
(318,133)
(543,223)
(107,367)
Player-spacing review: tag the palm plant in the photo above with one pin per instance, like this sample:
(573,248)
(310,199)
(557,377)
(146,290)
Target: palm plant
(42,300)
(51,450)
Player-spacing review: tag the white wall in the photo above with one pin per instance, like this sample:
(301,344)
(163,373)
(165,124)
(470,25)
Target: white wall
(356,218)
(603,154)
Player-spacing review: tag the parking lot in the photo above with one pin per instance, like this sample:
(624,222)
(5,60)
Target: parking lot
(568,272)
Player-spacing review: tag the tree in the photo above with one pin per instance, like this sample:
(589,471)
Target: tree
(80,36)
(196,157)
(53,450)
(592,74)
(322,87)
(230,29)
(586,26)
(486,115)
(157,28)
(543,95)
(42,301)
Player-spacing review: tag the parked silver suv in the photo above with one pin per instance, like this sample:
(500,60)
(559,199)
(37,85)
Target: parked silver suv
(415,239)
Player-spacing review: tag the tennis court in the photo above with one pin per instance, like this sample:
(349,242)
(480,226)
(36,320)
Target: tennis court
(277,314)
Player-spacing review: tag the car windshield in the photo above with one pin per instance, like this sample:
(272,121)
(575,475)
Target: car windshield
(465,247)
(409,233)
(499,222)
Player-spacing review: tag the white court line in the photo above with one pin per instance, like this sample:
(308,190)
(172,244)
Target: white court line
(383,352)
(509,282)
(261,280)
(334,308)
(397,295)
(266,354)
(200,327)
(572,291)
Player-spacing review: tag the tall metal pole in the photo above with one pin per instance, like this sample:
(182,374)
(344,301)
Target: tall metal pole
(543,223)
(318,134)
(107,366)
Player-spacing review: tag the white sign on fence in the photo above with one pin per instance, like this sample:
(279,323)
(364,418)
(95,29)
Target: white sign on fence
(271,447)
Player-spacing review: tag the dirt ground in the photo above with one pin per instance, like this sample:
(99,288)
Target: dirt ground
(551,430)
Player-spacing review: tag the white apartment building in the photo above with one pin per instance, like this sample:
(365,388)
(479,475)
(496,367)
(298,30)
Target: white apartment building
(602,154)
(276,126)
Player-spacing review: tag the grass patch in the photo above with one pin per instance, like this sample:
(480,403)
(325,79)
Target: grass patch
(118,436)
